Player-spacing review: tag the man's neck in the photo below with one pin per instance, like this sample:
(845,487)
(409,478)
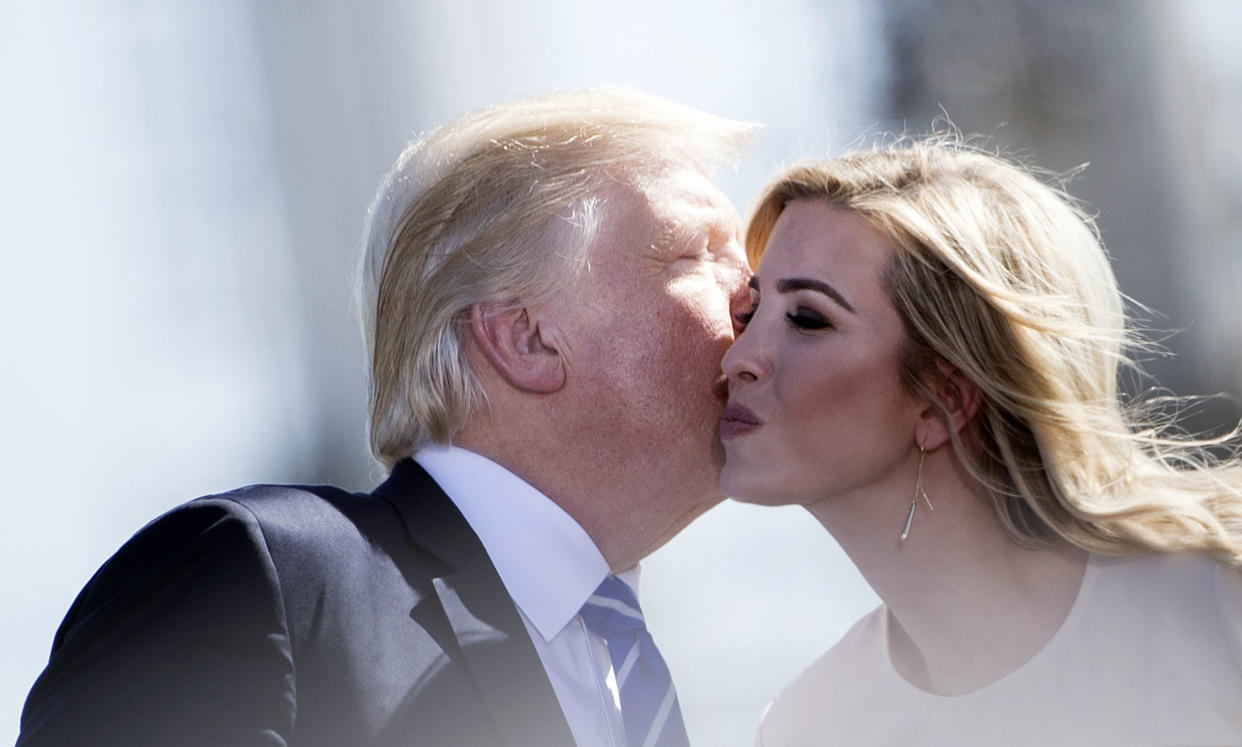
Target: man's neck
(610,496)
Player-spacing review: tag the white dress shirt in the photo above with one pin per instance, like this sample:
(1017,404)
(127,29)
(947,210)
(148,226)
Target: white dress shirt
(549,566)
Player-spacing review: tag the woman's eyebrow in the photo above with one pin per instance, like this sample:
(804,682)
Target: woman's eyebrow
(789,285)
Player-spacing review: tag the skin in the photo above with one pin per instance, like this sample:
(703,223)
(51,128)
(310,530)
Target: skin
(619,427)
(819,368)
(838,434)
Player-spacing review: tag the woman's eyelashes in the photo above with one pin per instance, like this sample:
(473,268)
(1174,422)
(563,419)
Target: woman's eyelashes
(801,317)
(808,319)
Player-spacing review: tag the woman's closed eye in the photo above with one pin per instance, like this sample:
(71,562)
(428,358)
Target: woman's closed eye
(808,319)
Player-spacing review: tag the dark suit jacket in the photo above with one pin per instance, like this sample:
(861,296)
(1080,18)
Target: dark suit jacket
(297,615)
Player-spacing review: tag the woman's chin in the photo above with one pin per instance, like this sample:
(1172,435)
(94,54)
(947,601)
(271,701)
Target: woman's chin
(751,486)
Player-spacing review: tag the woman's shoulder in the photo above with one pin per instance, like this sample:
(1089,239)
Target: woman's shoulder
(1229,598)
(1184,579)
(844,679)
(1185,607)
(1172,622)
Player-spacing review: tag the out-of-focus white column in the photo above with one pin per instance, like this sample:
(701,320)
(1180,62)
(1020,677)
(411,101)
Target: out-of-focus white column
(152,343)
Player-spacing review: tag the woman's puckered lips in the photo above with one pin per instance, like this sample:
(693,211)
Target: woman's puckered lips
(737,420)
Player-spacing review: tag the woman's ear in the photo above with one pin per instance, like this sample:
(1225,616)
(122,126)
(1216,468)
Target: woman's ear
(958,402)
(511,341)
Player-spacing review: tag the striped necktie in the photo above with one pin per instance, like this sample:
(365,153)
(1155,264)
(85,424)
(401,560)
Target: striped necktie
(649,707)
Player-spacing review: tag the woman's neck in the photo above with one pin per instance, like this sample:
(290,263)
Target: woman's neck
(967,604)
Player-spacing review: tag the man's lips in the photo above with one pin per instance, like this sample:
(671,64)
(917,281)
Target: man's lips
(736,420)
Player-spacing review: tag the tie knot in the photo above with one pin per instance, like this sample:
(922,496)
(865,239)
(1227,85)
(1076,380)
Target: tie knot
(613,608)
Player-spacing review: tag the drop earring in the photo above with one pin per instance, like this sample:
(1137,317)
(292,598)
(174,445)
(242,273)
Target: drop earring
(918,491)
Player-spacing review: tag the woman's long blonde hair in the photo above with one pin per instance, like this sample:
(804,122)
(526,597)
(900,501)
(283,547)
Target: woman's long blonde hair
(1005,278)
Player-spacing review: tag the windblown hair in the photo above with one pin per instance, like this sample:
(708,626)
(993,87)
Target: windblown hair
(500,206)
(1005,278)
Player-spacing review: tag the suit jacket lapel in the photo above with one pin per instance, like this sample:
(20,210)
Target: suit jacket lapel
(492,643)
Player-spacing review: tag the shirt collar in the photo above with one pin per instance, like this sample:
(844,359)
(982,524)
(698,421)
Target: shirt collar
(546,560)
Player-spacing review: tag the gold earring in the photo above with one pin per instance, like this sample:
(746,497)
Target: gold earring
(918,491)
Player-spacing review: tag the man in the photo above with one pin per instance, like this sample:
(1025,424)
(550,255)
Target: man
(547,289)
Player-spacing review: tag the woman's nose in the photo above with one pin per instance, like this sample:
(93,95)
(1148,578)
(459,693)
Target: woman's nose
(743,361)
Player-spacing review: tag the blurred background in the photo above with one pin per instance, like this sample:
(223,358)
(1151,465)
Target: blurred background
(184,186)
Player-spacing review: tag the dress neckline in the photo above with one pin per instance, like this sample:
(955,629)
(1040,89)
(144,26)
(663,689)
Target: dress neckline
(1070,621)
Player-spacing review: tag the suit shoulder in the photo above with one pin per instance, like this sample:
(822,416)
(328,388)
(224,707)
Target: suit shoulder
(254,527)
(186,614)
(303,519)
(309,505)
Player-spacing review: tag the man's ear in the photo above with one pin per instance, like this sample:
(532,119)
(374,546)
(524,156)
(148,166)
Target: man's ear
(510,340)
(960,399)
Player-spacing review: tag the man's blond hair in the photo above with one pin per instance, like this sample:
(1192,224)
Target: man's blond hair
(500,206)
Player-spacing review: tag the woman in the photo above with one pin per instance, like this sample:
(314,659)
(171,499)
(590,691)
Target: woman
(930,367)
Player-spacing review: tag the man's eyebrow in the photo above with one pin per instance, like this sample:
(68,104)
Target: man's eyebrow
(789,285)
